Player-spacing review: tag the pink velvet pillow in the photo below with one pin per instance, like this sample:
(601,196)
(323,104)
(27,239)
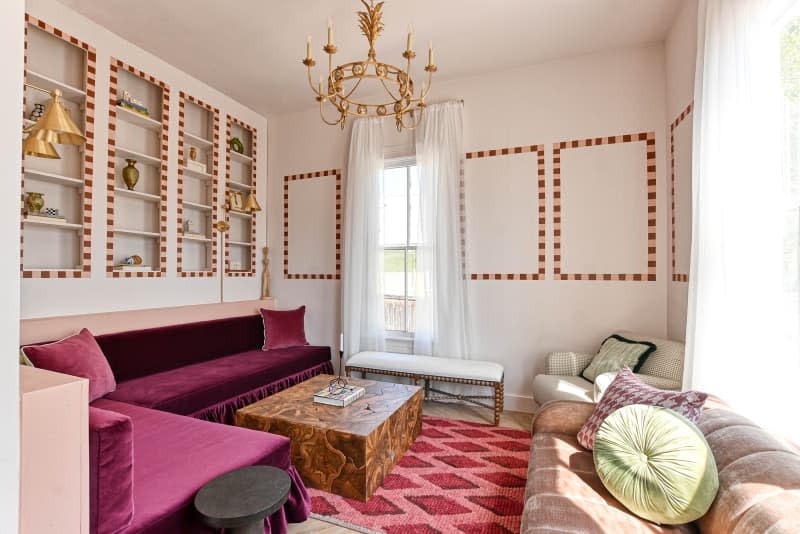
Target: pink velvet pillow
(77,355)
(626,389)
(284,328)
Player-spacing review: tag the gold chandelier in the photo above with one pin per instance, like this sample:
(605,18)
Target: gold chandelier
(343,81)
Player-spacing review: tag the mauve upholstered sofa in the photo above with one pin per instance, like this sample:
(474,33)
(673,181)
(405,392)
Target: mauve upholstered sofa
(759,477)
(155,441)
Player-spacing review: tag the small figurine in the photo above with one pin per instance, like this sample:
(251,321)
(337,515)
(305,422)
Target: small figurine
(192,153)
(37,112)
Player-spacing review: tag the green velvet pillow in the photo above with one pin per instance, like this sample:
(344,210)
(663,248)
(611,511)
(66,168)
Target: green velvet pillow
(656,463)
(616,353)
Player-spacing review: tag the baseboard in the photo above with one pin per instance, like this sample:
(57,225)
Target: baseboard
(519,403)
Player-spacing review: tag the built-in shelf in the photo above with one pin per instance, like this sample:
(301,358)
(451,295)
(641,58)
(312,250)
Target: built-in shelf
(54,224)
(197,174)
(193,205)
(241,214)
(53,178)
(138,119)
(241,157)
(197,141)
(138,156)
(237,185)
(70,93)
(199,239)
(41,270)
(239,243)
(140,233)
(136,194)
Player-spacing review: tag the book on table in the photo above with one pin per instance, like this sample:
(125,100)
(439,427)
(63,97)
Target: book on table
(339,396)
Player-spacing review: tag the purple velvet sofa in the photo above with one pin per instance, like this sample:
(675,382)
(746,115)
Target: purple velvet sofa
(154,441)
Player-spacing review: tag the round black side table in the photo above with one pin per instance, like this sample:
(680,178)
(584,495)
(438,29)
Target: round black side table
(239,501)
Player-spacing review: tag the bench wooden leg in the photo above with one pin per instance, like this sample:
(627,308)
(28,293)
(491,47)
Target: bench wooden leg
(498,402)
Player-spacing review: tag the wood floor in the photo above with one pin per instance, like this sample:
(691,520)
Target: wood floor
(436,409)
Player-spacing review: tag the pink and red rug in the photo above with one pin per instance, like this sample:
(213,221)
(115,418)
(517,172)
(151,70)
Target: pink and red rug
(457,477)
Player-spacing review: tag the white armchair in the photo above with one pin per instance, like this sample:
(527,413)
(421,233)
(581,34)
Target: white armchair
(562,381)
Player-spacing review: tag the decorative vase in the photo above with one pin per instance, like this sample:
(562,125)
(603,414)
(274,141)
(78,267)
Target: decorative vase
(130,174)
(34,201)
(193,153)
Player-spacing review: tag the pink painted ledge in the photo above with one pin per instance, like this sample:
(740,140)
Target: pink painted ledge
(52,328)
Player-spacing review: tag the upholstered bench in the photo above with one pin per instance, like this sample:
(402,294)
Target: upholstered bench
(432,369)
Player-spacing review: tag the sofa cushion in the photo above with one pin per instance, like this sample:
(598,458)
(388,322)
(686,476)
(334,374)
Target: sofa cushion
(626,389)
(666,361)
(175,456)
(143,352)
(110,471)
(564,493)
(76,355)
(656,463)
(617,352)
(194,387)
(548,388)
(284,328)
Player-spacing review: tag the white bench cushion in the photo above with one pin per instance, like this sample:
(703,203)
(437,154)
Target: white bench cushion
(428,365)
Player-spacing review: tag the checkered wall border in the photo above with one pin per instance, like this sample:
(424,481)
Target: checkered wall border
(540,180)
(253,178)
(650,139)
(116,66)
(88,159)
(676,276)
(214,181)
(310,175)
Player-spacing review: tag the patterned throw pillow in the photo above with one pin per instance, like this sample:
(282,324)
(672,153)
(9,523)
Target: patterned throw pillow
(617,352)
(626,389)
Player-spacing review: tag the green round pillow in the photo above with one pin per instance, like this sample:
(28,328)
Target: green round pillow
(656,463)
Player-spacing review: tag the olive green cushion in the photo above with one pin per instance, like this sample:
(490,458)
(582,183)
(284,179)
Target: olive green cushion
(656,463)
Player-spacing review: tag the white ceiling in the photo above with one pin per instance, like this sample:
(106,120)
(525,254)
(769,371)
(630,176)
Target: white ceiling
(251,49)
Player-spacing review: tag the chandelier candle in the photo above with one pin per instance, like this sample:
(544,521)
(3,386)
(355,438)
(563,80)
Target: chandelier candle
(338,92)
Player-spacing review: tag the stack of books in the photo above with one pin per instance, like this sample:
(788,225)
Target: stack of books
(42,216)
(133,268)
(339,396)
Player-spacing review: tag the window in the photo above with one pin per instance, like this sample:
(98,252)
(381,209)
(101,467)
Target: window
(399,234)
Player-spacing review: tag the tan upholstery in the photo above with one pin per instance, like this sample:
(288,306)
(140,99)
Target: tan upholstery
(759,479)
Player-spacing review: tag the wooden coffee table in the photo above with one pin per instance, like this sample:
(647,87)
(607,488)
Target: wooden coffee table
(347,451)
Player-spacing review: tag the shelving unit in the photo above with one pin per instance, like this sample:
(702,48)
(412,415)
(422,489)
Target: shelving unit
(240,177)
(59,249)
(137,219)
(198,145)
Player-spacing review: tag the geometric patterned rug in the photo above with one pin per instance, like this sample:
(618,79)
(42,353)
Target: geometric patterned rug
(457,477)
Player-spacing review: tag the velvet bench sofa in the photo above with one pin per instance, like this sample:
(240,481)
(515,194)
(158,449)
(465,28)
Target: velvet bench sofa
(759,479)
(154,441)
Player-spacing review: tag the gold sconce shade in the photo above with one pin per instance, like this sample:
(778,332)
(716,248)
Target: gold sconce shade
(251,204)
(54,127)
(32,146)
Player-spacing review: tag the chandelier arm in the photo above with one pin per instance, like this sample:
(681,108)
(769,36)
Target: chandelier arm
(416,123)
(322,116)
(389,92)
(311,84)
(353,90)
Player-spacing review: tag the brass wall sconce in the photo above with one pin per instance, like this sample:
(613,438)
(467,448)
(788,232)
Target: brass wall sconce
(54,127)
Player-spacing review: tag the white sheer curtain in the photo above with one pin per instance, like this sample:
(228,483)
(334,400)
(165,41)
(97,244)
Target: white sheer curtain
(441,307)
(362,281)
(742,327)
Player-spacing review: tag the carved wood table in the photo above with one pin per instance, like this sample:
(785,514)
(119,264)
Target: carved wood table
(347,451)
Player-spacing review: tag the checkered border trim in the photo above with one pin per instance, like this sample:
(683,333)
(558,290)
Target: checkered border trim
(540,178)
(309,175)
(88,158)
(254,135)
(650,139)
(676,276)
(214,181)
(116,66)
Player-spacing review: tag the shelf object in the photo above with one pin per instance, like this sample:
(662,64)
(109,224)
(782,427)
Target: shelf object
(240,176)
(198,136)
(56,60)
(144,139)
